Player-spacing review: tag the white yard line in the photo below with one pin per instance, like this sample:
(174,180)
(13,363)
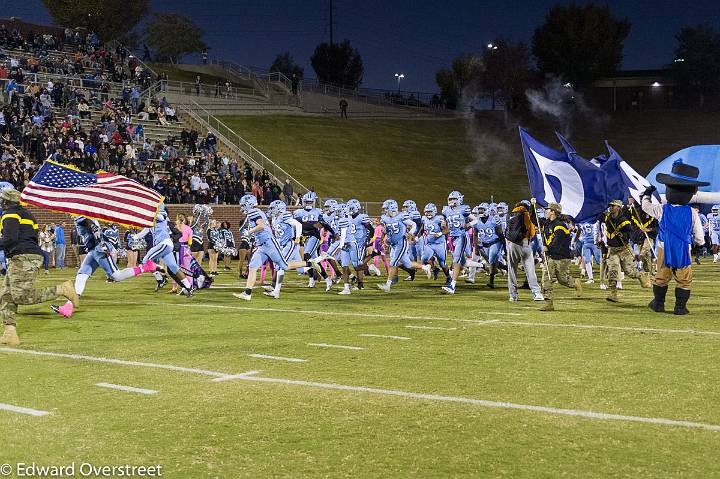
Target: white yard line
(22,410)
(277,358)
(251,376)
(337,346)
(128,389)
(640,329)
(488,404)
(431,327)
(368,335)
(121,362)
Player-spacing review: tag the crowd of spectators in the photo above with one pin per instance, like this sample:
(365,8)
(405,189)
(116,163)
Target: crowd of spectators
(90,128)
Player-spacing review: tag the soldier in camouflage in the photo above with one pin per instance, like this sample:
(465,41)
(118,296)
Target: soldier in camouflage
(19,239)
(620,257)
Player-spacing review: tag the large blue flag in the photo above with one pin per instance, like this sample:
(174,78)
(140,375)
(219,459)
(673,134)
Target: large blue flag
(559,177)
(622,180)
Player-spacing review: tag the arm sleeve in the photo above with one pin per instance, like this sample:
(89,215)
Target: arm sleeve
(297,225)
(10,231)
(343,236)
(651,208)
(412,227)
(141,234)
(698,232)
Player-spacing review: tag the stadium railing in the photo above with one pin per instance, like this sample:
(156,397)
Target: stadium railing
(238,144)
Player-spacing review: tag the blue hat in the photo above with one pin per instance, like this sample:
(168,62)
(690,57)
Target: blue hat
(682,174)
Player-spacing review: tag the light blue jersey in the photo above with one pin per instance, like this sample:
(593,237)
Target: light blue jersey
(486,230)
(588,232)
(456,218)
(86,230)
(361,227)
(284,230)
(395,227)
(432,226)
(161,230)
(713,222)
(254,215)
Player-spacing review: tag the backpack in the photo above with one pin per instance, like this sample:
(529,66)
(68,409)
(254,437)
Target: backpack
(516,230)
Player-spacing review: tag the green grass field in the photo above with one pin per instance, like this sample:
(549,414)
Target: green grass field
(294,419)
(426,159)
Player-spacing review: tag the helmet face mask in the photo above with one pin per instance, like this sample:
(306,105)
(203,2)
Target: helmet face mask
(354,206)
(502,209)
(247,202)
(330,207)
(309,200)
(390,206)
(409,205)
(455,199)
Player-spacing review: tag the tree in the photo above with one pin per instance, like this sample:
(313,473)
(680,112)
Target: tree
(173,35)
(285,64)
(506,72)
(108,19)
(697,65)
(463,74)
(338,63)
(580,43)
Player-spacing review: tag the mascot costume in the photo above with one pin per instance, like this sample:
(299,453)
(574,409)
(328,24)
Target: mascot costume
(680,227)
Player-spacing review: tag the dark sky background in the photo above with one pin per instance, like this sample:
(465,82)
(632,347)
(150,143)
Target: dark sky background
(414,37)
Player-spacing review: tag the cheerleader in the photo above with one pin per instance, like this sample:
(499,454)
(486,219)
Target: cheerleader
(214,239)
(244,248)
(226,231)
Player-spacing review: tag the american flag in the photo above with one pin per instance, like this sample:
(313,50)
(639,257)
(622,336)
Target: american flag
(103,196)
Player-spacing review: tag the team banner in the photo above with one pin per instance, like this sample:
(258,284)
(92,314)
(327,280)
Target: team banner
(568,179)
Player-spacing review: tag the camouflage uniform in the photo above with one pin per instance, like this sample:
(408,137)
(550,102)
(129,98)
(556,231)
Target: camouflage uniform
(19,286)
(560,270)
(620,258)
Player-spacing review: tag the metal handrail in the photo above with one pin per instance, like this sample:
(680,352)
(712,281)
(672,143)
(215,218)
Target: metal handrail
(244,72)
(238,144)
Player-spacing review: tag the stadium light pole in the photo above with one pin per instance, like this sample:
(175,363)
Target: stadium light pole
(399,77)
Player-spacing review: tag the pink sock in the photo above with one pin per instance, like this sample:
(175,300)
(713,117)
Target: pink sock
(66,309)
(148,267)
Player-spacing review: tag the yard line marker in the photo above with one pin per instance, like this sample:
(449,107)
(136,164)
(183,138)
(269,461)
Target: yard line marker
(114,361)
(228,377)
(429,318)
(490,404)
(338,346)
(367,335)
(128,389)
(431,327)
(22,410)
(612,328)
(277,358)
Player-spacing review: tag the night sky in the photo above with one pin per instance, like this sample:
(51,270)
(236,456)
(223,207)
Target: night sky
(414,37)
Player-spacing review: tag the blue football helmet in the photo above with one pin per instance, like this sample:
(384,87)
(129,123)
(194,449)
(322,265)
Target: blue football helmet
(430,210)
(354,206)
(455,198)
(277,207)
(409,205)
(247,202)
(330,206)
(309,199)
(390,206)
(502,208)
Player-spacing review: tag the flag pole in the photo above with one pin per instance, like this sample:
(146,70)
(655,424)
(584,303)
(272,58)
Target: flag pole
(542,238)
(647,238)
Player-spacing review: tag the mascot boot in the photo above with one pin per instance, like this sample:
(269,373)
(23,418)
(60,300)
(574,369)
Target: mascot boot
(681,298)
(658,303)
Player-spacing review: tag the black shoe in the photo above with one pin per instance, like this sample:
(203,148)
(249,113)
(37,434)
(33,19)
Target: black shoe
(160,284)
(697,260)
(109,280)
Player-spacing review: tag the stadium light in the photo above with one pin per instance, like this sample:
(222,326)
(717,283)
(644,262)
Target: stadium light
(399,77)
(656,84)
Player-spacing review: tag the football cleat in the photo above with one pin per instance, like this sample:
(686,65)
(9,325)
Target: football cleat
(384,287)
(448,289)
(243,296)
(160,284)
(272,294)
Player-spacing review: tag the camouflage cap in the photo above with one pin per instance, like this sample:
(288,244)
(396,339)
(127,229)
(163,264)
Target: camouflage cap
(616,203)
(556,207)
(10,194)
